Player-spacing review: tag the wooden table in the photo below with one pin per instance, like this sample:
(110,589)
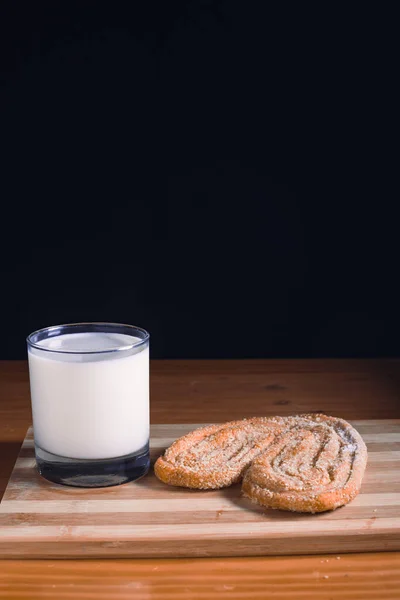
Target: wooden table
(199,391)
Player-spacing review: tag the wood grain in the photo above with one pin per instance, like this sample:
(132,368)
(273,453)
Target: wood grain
(147,518)
(194,391)
(324,577)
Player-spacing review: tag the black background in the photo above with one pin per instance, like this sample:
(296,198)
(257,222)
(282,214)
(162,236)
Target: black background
(224,176)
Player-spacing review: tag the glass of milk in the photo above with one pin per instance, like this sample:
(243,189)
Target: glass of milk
(90,402)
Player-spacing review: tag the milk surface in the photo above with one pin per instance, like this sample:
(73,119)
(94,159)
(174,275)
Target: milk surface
(90,405)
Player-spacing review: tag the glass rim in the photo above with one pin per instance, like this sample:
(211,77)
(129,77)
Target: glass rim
(88,326)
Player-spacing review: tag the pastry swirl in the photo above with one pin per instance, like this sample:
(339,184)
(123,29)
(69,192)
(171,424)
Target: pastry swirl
(216,456)
(316,464)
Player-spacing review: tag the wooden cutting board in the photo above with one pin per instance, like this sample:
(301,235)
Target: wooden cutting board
(147,518)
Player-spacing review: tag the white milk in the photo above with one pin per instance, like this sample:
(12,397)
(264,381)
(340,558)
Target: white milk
(90,405)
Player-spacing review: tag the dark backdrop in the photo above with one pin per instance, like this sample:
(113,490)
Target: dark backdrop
(224,176)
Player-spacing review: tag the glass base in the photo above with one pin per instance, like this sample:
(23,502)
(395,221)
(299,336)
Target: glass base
(87,473)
